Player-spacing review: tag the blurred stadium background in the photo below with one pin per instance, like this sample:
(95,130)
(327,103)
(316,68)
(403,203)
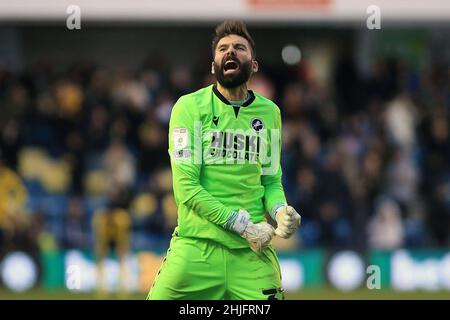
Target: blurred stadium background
(83,137)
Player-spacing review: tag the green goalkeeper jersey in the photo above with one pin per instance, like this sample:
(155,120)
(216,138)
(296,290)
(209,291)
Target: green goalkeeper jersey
(224,158)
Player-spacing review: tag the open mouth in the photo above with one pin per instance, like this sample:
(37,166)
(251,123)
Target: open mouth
(230,65)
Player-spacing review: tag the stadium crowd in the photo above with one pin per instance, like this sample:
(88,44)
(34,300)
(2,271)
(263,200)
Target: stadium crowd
(366,160)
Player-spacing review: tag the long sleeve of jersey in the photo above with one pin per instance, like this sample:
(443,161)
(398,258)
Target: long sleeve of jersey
(185,150)
(274,196)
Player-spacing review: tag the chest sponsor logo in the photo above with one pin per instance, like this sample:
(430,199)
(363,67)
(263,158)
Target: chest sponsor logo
(256,145)
(235,145)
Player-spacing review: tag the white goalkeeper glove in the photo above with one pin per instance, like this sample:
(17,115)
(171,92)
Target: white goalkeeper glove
(288,221)
(258,235)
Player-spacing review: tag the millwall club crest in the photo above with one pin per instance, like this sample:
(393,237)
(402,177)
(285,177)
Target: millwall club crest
(257,124)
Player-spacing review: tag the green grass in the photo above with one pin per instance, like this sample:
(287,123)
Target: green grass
(365,294)
(310,294)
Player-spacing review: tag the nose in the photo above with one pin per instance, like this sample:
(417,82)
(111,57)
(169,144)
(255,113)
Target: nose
(231,51)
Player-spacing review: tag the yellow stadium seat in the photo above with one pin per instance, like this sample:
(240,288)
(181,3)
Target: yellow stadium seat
(144,205)
(55,176)
(95,183)
(31,162)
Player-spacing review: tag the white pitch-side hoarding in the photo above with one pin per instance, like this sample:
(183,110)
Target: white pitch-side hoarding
(294,11)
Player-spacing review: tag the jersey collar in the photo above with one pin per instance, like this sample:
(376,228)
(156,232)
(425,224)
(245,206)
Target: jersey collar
(250,99)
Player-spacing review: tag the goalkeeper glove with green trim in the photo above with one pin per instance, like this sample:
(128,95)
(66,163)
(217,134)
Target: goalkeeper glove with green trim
(288,221)
(258,235)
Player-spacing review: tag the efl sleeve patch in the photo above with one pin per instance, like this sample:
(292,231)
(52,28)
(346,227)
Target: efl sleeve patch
(180,138)
(181,154)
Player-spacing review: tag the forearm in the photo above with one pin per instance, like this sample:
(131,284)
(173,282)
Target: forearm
(274,196)
(189,192)
(201,202)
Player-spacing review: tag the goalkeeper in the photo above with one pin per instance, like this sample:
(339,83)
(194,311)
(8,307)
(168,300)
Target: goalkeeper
(224,145)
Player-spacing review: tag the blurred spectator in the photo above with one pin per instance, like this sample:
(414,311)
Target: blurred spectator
(386,231)
(119,166)
(129,92)
(401,120)
(335,211)
(97,133)
(293,99)
(436,149)
(181,80)
(75,235)
(307,196)
(69,99)
(152,146)
(402,178)
(76,158)
(10,141)
(98,89)
(13,197)
(112,227)
(163,107)
(438,218)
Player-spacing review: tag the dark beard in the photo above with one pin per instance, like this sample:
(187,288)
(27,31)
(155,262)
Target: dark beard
(232,81)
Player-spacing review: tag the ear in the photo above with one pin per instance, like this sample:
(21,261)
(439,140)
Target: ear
(212,67)
(255,66)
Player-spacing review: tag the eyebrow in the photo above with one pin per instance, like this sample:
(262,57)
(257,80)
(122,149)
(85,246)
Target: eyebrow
(227,44)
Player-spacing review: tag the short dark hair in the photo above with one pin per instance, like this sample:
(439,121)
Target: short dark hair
(232,27)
